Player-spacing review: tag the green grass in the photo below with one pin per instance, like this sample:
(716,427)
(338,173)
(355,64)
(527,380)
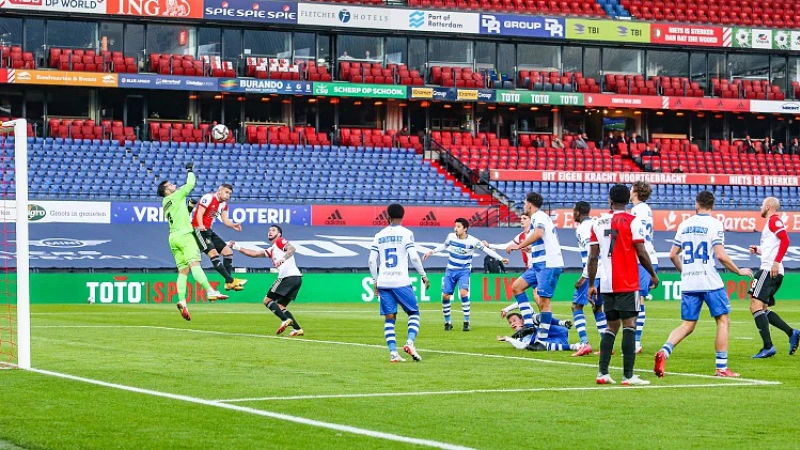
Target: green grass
(229,351)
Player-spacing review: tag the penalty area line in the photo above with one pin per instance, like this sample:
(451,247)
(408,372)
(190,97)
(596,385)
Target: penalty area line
(258,412)
(377,346)
(486,391)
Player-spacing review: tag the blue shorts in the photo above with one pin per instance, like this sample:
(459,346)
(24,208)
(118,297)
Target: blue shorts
(717,301)
(581,296)
(558,335)
(544,279)
(455,278)
(403,296)
(644,280)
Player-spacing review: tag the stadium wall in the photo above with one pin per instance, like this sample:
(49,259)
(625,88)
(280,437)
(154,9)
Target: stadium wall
(119,288)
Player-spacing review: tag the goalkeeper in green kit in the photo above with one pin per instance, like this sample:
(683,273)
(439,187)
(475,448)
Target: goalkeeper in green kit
(181,239)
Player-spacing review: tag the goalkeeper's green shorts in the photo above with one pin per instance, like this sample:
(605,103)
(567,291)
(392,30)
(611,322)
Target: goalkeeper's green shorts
(184,249)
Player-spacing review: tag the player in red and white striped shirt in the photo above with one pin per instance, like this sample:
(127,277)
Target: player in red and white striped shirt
(767,280)
(618,239)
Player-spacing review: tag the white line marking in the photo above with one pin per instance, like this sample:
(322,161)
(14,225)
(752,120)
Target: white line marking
(440,352)
(7,365)
(484,391)
(258,412)
(742,338)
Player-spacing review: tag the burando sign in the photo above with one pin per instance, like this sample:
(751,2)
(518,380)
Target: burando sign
(115,289)
(360,90)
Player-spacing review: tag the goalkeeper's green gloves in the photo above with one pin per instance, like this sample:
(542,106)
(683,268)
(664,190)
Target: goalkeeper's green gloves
(191,203)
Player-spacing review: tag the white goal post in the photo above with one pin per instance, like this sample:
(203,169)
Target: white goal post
(20,203)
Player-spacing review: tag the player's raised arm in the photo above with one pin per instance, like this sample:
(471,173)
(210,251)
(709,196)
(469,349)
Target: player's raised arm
(490,252)
(727,262)
(532,237)
(248,251)
(289,252)
(226,220)
(438,248)
(191,181)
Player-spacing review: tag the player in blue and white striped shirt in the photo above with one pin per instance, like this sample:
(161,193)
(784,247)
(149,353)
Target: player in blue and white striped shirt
(461,248)
(547,263)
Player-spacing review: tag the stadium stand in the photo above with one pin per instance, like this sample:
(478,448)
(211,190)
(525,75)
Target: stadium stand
(108,169)
(14,58)
(664,195)
(462,77)
(82,60)
(364,72)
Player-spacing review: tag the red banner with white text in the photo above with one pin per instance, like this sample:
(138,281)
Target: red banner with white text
(689,35)
(376,216)
(650,177)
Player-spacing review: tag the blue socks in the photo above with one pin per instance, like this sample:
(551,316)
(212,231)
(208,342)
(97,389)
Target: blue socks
(579,320)
(526,310)
(446,310)
(388,333)
(413,326)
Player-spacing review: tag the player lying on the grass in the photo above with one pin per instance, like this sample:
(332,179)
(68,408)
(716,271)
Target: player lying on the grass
(460,246)
(211,206)
(284,290)
(583,233)
(768,279)
(181,239)
(536,317)
(522,339)
(698,245)
(391,250)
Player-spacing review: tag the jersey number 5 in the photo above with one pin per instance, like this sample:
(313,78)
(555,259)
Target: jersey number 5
(390,255)
(613,233)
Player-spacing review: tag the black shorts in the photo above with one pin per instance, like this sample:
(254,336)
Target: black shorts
(208,240)
(284,290)
(764,286)
(621,305)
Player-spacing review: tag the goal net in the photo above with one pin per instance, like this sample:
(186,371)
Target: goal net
(15,339)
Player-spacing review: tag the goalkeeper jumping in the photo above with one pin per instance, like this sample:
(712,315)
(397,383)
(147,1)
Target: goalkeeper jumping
(181,239)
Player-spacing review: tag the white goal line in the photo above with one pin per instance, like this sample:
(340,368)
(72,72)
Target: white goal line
(383,347)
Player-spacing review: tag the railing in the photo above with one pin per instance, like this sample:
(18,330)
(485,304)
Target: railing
(496,215)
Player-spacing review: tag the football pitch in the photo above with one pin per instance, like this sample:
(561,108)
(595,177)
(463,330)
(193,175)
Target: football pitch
(139,377)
